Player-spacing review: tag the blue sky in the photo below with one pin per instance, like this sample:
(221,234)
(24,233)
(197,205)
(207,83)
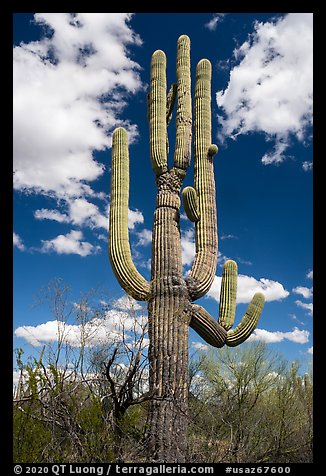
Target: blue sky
(78,76)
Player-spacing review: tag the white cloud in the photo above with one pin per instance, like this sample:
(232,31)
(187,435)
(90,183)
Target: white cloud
(102,237)
(270,90)
(305,292)
(18,242)
(307,166)
(81,307)
(15,377)
(244,261)
(126,303)
(296,335)
(228,237)
(217,18)
(310,350)
(248,286)
(221,258)
(71,334)
(147,264)
(310,274)
(308,306)
(45,214)
(134,217)
(188,247)
(294,317)
(277,155)
(199,346)
(112,328)
(69,90)
(82,212)
(145,237)
(69,244)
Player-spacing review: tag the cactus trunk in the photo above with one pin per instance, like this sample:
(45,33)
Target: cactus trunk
(168,334)
(169,294)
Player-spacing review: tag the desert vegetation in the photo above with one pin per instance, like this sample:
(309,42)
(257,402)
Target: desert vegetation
(87,401)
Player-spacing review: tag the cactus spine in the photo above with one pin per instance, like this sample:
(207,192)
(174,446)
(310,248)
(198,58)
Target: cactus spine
(170,297)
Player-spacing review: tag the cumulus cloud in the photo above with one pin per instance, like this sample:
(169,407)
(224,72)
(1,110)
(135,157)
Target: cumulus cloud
(296,335)
(71,243)
(112,328)
(305,292)
(71,334)
(18,242)
(310,350)
(248,286)
(82,212)
(134,217)
(69,89)
(188,247)
(270,89)
(307,306)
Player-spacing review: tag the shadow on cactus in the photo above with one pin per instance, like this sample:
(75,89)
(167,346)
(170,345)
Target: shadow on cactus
(170,296)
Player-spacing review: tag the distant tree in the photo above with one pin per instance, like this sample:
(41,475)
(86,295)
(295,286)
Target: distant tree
(79,392)
(289,413)
(246,406)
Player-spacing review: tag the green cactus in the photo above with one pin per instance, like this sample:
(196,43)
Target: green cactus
(170,296)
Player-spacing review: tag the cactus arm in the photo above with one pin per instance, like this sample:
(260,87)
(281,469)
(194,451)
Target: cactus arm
(248,323)
(207,327)
(190,203)
(228,294)
(203,269)
(218,333)
(182,151)
(119,249)
(158,114)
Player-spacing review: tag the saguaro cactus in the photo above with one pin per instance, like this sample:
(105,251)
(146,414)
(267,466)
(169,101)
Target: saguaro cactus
(170,296)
